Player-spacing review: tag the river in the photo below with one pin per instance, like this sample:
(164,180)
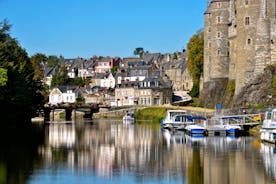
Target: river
(108,151)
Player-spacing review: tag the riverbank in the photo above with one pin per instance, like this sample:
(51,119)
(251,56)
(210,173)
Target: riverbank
(156,114)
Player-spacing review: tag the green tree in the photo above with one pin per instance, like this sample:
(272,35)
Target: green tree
(195,59)
(3,77)
(21,93)
(52,61)
(139,51)
(38,61)
(61,78)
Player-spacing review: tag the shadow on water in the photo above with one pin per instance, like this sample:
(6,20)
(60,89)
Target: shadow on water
(18,153)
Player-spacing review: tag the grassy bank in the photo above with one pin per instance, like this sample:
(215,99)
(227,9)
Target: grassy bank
(156,114)
(153,114)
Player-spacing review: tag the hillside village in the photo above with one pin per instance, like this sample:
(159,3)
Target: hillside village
(149,80)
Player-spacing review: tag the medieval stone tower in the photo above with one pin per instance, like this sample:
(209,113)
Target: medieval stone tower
(240,40)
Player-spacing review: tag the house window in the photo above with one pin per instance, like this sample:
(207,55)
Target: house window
(247,20)
(218,20)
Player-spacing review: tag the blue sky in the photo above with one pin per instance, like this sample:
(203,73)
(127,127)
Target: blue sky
(83,28)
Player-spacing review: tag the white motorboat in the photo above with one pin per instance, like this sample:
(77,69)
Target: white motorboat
(175,119)
(268,130)
(129,117)
(195,129)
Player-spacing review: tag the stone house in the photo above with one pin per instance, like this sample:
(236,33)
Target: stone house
(178,73)
(151,91)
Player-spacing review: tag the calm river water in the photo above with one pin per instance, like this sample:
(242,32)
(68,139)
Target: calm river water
(112,152)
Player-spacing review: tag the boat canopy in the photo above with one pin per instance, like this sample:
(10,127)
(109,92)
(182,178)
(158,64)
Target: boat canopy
(191,118)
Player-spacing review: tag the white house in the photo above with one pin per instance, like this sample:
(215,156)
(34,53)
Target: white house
(62,95)
(108,82)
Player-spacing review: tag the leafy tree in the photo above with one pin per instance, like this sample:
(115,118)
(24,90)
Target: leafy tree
(21,93)
(52,61)
(139,51)
(195,58)
(38,61)
(78,81)
(61,78)
(3,77)
(114,68)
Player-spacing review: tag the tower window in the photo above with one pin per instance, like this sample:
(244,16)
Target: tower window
(247,20)
(218,35)
(218,52)
(248,41)
(219,4)
(209,44)
(246,2)
(218,20)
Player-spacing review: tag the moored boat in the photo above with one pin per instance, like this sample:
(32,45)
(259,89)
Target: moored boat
(175,119)
(195,129)
(129,117)
(232,129)
(268,130)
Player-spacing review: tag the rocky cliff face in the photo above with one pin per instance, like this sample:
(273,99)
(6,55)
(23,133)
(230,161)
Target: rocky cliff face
(260,90)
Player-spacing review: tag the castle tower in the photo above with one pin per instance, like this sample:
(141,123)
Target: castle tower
(216,40)
(239,42)
(262,47)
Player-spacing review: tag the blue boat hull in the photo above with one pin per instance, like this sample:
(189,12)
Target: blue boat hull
(197,131)
(233,131)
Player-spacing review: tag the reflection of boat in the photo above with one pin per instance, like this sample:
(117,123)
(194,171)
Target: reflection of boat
(129,117)
(268,130)
(173,137)
(269,159)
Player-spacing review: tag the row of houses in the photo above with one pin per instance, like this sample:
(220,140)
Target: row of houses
(147,81)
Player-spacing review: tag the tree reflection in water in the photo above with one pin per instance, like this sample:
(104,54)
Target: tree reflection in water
(18,154)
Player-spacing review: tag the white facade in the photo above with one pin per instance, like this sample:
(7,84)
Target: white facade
(108,82)
(57,97)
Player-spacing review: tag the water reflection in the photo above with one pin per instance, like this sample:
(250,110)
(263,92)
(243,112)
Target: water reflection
(113,152)
(269,159)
